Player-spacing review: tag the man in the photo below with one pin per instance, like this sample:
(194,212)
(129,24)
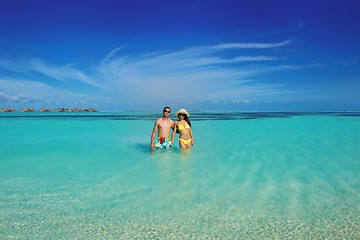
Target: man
(163,126)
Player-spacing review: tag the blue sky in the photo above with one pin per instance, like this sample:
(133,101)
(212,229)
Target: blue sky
(205,54)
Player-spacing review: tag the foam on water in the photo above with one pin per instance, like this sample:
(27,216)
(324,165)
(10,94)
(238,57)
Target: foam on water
(250,175)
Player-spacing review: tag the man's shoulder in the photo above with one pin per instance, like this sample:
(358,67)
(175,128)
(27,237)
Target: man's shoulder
(158,120)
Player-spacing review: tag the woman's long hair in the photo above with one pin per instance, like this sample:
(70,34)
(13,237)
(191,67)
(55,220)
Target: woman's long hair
(187,120)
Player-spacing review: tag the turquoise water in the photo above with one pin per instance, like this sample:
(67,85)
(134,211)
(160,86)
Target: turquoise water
(250,175)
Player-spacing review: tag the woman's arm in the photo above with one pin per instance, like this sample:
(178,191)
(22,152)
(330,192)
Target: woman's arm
(173,133)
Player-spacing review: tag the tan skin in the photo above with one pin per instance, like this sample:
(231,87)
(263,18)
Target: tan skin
(185,133)
(163,127)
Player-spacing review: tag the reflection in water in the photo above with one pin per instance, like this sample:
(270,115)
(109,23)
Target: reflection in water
(174,173)
(186,151)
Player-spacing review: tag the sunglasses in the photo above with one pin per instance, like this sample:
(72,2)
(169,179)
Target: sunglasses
(167,111)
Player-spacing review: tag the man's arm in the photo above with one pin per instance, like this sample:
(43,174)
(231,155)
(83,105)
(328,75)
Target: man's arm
(173,133)
(153,134)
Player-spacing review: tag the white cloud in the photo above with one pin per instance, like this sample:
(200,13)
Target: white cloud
(251,45)
(6,98)
(192,75)
(66,73)
(22,92)
(201,72)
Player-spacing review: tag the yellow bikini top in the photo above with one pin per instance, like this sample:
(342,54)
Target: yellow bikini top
(180,127)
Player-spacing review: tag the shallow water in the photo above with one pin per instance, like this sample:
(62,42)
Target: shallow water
(250,175)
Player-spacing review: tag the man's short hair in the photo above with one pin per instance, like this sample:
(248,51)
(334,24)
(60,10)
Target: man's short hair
(166,108)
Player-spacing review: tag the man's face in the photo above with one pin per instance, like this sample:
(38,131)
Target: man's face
(167,112)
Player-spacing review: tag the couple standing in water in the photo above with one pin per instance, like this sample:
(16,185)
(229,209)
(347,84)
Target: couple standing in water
(164,125)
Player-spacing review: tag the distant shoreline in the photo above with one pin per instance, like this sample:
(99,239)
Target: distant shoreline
(50,110)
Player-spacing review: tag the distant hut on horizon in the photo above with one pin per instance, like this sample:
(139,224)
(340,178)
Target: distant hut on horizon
(90,110)
(27,110)
(62,110)
(8,110)
(45,110)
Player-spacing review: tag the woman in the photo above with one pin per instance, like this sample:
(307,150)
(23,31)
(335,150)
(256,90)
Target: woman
(183,125)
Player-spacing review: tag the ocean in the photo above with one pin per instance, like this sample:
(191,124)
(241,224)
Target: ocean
(250,175)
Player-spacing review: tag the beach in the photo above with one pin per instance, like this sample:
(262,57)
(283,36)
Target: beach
(250,175)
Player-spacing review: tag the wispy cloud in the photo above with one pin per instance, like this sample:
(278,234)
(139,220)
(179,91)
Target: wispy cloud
(65,73)
(23,92)
(199,73)
(251,45)
(191,75)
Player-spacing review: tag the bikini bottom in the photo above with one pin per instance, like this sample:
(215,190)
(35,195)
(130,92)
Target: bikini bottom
(185,141)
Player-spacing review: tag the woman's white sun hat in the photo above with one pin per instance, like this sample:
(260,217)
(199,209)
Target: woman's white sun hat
(182,111)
